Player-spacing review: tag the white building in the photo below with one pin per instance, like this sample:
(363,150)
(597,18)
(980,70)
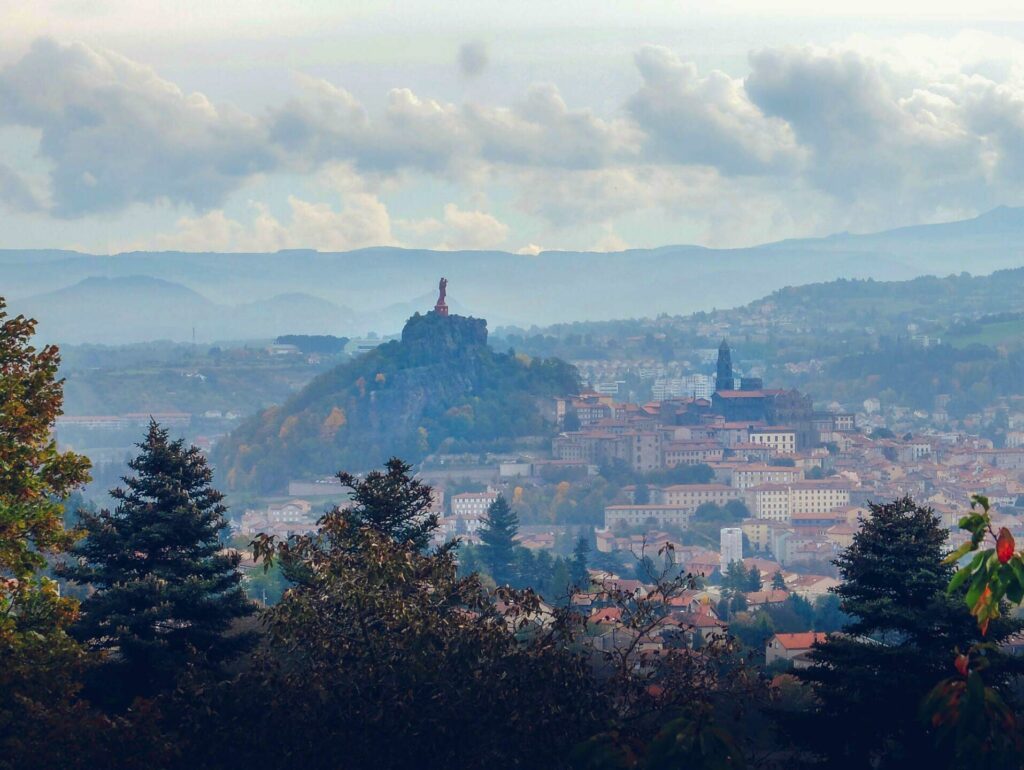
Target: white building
(731,547)
(472,504)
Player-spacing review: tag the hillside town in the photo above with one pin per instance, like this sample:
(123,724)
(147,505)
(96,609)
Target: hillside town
(748,480)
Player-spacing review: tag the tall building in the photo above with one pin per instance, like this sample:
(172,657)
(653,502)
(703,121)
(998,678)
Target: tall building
(724,379)
(731,547)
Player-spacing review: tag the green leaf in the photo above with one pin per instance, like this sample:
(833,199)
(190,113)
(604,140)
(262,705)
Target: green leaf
(977,586)
(958,579)
(959,553)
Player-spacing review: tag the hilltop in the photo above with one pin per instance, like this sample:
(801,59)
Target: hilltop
(439,387)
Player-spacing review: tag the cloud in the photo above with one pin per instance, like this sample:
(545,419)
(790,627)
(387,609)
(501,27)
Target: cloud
(472,230)
(706,120)
(456,229)
(15,192)
(473,58)
(327,124)
(861,134)
(610,241)
(926,131)
(115,133)
(361,221)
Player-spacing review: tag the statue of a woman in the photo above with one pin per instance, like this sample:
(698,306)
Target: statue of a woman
(442,288)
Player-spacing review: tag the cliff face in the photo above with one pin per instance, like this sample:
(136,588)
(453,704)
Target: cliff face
(439,387)
(436,337)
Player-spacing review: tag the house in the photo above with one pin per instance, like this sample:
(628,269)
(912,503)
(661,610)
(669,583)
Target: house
(761,599)
(704,622)
(789,647)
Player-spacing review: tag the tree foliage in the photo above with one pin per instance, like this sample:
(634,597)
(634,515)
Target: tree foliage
(165,592)
(870,681)
(385,652)
(498,536)
(392,503)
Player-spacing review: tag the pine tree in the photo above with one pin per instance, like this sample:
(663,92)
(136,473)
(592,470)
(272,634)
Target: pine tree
(899,643)
(498,536)
(166,593)
(393,503)
(580,576)
(778,582)
(737,579)
(754,579)
(559,587)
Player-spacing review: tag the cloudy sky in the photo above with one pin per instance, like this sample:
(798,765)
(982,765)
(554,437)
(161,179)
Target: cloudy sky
(241,126)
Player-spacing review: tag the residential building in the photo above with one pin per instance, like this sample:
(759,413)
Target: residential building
(790,647)
(731,546)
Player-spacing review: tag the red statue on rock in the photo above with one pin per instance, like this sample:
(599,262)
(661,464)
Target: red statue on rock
(441,308)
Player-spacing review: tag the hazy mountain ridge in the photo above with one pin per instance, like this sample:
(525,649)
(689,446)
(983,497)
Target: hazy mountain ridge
(141,308)
(507,288)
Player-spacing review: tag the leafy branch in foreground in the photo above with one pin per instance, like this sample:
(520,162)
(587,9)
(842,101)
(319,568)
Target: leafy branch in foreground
(992,574)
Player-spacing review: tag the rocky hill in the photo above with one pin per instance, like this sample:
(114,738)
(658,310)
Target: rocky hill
(439,387)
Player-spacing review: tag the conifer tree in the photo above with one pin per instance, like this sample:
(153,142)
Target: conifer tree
(871,681)
(498,536)
(560,585)
(778,582)
(392,502)
(165,592)
(580,576)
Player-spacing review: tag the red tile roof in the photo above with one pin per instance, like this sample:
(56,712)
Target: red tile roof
(801,641)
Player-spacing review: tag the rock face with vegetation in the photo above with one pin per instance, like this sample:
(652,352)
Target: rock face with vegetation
(439,388)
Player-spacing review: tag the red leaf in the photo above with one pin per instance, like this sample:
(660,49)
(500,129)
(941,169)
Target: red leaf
(961,663)
(1005,546)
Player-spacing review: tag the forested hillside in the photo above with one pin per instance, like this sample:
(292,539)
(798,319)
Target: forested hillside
(440,386)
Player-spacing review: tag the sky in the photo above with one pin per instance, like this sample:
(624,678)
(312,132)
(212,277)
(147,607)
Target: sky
(525,126)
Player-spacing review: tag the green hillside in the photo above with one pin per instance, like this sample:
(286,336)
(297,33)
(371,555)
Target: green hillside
(440,387)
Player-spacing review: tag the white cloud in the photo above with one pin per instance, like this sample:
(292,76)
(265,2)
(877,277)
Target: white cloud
(610,241)
(706,120)
(472,230)
(16,193)
(862,134)
(116,133)
(361,221)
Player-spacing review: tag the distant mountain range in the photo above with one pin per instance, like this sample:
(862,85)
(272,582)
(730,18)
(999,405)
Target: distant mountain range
(142,296)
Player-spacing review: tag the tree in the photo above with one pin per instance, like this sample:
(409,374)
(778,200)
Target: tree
(386,651)
(44,722)
(393,503)
(41,663)
(754,579)
(778,582)
(871,682)
(561,581)
(498,535)
(737,579)
(642,494)
(571,421)
(580,576)
(165,591)
(34,476)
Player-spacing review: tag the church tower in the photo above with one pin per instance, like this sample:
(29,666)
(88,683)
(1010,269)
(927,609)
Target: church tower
(724,379)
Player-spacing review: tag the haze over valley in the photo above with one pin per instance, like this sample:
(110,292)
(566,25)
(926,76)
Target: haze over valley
(137,297)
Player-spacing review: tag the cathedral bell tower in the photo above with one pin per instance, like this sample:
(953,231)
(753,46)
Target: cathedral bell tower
(724,379)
